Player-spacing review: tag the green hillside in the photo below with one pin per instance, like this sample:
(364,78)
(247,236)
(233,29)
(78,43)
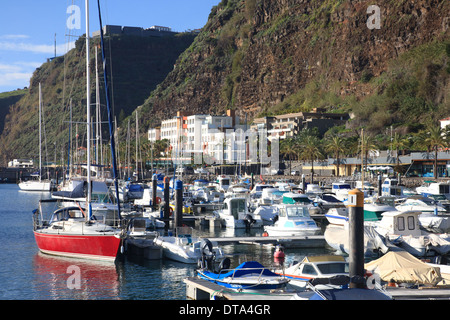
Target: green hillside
(135,64)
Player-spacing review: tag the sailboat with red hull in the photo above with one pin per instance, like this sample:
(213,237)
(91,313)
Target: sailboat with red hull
(75,231)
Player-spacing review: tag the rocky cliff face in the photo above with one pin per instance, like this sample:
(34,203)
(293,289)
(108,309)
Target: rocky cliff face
(256,55)
(136,65)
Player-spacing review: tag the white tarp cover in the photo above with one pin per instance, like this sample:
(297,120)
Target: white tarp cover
(403,267)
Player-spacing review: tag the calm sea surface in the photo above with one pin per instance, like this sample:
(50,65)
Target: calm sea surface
(26,274)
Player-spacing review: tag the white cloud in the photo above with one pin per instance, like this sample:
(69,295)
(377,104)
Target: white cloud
(14,36)
(36,48)
(14,79)
(16,74)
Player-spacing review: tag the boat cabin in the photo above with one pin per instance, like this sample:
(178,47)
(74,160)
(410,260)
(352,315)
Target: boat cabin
(402,223)
(319,266)
(390,187)
(237,207)
(223,182)
(295,198)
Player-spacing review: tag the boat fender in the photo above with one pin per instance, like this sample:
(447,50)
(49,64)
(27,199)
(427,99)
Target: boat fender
(158,200)
(279,256)
(170,211)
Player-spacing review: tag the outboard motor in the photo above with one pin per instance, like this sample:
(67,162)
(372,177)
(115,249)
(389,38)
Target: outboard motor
(224,264)
(208,255)
(248,220)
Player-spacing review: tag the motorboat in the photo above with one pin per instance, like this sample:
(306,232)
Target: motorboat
(337,237)
(403,229)
(391,187)
(185,248)
(237,190)
(293,220)
(313,189)
(295,198)
(341,189)
(422,204)
(271,196)
(258,189)
(337,216)
(249,275)
(147,197)
(433,217)
(434,188)
(267,214)
(223,182)
(340,294)
(69,232)
(372,212)
(326,201)
(235,214)
(323,266)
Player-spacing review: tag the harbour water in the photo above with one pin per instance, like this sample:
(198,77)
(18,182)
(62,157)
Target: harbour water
(27,274)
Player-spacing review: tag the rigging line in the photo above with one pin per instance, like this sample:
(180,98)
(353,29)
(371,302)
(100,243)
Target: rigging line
(111,133)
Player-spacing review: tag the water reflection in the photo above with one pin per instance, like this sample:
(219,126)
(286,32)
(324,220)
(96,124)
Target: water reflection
(55,278)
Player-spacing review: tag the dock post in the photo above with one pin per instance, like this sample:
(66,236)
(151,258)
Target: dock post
(166,202)
(154,183)
(178,203)
(379,186)
(356,235)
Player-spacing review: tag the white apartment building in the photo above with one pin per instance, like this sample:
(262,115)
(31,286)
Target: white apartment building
(154,134)
(200,136)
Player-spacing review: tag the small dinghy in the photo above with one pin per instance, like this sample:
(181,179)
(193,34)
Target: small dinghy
(250,275)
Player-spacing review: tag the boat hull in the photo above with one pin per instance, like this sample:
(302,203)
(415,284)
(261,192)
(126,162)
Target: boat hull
(274,231)
(247,283)
(35,186)
(97,247)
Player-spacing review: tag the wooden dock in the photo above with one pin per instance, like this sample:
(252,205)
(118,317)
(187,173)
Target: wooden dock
(200,289)
(317,241)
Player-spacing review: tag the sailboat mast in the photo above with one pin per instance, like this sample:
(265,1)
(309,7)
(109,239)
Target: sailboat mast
(40,132)
(88,114)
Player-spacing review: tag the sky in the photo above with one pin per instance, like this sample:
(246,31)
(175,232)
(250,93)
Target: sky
(28,27)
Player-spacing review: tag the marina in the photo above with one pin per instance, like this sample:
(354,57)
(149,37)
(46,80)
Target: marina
(223,163)
(140,248)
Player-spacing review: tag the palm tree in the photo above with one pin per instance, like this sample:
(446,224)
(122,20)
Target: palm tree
(289,149)
(435,140)
(367,143)
(337,146)
(310,149)
(399,144)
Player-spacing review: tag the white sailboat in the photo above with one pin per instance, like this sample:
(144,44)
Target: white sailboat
(37,184)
